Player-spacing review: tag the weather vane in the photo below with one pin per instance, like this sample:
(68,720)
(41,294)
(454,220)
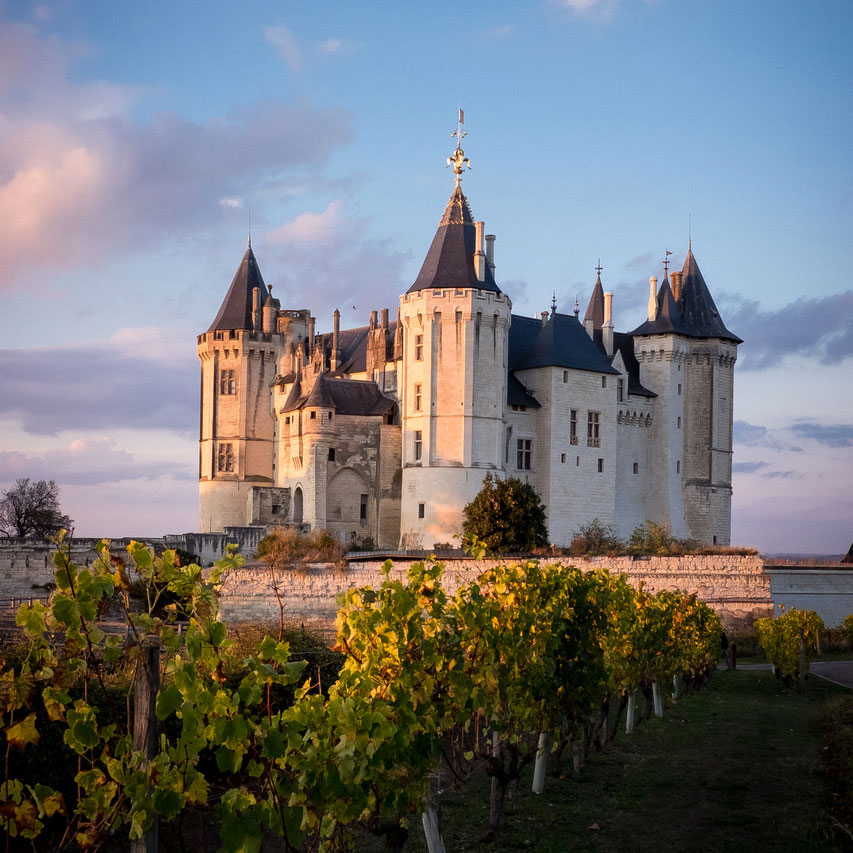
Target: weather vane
(458,160)
(666,263)
(599,268)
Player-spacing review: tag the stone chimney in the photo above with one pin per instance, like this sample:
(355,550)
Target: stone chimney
(607,326)
(311,322)
(398,338)
(653,298)
(479,254)
(675,284)
(269,314)
(256,309)
(373,317)
(384,320)
(336,332)
(490,252)
(544,316)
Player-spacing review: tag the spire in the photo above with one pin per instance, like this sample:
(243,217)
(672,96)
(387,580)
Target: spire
(458,159)
(236,309)
(698,311)
(553,303)
(595,309)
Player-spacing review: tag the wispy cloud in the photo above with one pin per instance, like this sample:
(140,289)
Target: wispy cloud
(596,10)
(309,227)
(818,327)
(838,435)
(748,467)
(284,41)
(499,32)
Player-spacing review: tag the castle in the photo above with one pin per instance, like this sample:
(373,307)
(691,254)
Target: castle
(385,432)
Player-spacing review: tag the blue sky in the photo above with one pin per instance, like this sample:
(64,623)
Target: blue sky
(137,141)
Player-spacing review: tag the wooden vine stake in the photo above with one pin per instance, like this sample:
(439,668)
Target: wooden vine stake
(657,699)
(629,713)
(145,688)
(541,763)
(432,833)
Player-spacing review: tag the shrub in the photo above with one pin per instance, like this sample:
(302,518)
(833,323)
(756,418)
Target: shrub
(506,515)
(847,624)
(286,546)
(595,538)
(655,539)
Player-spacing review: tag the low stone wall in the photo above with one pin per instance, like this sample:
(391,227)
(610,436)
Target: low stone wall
(736,587)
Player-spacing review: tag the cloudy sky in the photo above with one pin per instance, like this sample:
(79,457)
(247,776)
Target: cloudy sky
(139,144)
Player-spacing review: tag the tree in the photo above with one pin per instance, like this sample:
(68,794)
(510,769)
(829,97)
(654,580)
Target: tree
(32,509)
(507,515)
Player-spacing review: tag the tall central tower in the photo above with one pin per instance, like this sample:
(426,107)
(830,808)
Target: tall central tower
(455,323)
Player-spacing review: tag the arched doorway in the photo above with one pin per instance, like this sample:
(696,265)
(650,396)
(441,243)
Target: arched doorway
(297,505)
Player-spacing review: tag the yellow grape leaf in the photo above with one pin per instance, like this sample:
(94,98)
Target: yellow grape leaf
(24,732)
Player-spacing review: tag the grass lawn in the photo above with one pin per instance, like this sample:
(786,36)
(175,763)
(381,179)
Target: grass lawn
(737,767)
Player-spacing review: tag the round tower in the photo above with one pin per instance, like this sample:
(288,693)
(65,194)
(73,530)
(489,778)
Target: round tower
(453,375)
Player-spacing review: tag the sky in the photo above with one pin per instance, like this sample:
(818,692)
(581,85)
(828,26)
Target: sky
(140,145)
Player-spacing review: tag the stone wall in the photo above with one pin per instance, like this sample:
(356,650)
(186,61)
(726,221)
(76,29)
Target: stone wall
(738,588)
(827,591)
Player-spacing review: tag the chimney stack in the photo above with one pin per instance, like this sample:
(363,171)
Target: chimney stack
(479,254)
(675,284)
(256,309)
(336,331)
(372,320)
(653,297)
(311,322)
(544,316)
(490,252)
(384,318)
(607,326)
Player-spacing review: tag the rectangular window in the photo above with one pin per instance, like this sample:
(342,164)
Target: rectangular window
(523,453)
(565,376)
(678,467)
(600,466)
(563,458)
(419,444)
(227,382)
(362,512)
(418,396)
(313,416)
(679,389)
(620,390)
(593,438)
(577,462)
(636,468)
(678,422)
(225,459)
(330,415)
(331,454)
(419,347)
(421,509)
(603,381)
(573,426)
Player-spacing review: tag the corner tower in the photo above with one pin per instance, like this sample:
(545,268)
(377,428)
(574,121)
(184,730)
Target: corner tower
(455,324)
(238,354)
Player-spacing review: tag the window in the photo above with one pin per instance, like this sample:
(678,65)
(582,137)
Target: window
(593,438)
(419,444)
(418,396)
(678,422)
(620,390)
(421,509)
(715,540)
(678,467)
(275,509)
(313,416)
(636,468)
(679,389)
(518,408)
(287,419)
(227,382)
(573,426)
(563,458)
(330,415)
(225,460)
(419,347)
(577,462)
(331,454)
(600,466)
(565,376)
(524,448)
(603,381)
(362,510)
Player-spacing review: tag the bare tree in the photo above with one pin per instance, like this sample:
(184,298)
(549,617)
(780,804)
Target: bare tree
(32,509)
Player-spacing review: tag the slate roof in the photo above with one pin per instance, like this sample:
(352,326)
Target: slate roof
(623,343)
(450,259)
(561,342)
(518,395)
(344,396)
(236,309)
(595,309)
(694,315)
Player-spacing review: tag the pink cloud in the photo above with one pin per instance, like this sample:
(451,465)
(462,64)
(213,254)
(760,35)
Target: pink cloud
(309,227)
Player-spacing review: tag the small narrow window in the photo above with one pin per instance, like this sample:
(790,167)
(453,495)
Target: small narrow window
(225,459)
(715,540)
(620,390)
(362,512)
(389,418)
(421,508)
(330,415)
(275,509)
(577,461)
(573,426)
(523,453)
(603,381)
(678,422)
(331,454)
(565,376)
(593,422)
(419,444)
(678,467)
(636,468)
(287,419)
(418,396)
(679,389)
(313,416)
(600,466)
(227,382)
(419,347)
(563,458)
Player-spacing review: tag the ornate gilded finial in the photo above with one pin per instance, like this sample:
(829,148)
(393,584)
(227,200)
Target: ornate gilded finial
(666,263)
(458,160)
(553,303)
(599,268)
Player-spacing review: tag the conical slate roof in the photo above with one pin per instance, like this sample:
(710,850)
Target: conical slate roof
(698,310)
(236,309)
(668,316)
(319,396)
(450,259)
(595,309)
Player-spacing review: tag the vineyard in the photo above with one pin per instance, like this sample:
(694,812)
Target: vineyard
(531,663)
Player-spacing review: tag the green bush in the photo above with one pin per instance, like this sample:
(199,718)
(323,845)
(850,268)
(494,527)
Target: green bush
(506,515)
(655,539)
(286,546)
(595,538)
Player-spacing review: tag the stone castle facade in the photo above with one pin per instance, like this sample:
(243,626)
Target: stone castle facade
(385,432)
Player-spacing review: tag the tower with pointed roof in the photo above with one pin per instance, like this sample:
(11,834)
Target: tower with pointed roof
(453,374)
